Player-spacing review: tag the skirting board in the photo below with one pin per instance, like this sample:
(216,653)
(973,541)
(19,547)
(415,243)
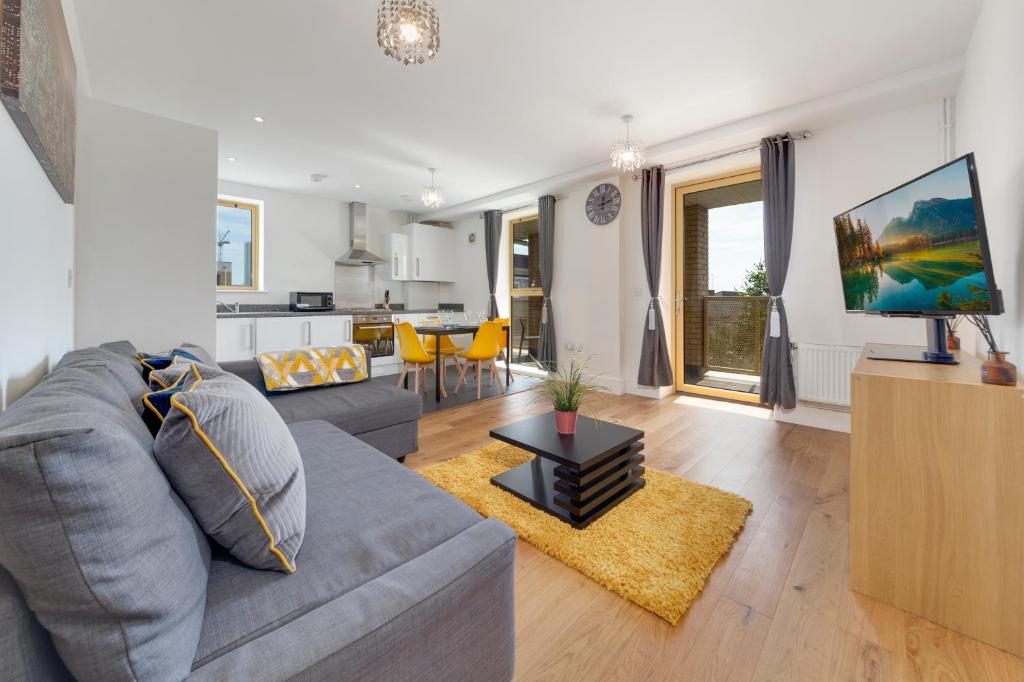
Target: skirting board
(805,415)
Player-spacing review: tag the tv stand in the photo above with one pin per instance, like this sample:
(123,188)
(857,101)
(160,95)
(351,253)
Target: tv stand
(935,352)
(936,474)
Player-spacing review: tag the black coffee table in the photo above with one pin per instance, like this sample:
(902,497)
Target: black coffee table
(575,478)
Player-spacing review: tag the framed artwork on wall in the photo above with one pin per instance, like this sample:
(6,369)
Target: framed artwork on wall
(37,85)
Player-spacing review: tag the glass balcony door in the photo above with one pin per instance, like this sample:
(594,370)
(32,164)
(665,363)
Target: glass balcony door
(720,289)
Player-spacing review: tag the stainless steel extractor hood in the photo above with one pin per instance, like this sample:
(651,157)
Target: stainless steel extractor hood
(358,255)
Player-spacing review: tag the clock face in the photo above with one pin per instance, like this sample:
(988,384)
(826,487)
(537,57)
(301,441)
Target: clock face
(603,204)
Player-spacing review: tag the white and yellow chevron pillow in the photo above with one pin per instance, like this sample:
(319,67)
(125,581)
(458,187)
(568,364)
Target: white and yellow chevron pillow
(308,367)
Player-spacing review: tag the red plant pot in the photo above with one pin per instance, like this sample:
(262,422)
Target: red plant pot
(565,422)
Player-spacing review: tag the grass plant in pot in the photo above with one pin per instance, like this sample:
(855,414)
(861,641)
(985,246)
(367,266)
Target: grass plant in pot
(569,390)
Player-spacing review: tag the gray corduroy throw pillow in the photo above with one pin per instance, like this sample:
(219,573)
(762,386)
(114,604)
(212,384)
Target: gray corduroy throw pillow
(230,457)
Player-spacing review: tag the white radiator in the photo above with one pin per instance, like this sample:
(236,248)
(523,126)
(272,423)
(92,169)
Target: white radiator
(823,374)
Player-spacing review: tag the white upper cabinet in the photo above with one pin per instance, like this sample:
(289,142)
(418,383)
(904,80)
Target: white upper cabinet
(396,253)
(430,253)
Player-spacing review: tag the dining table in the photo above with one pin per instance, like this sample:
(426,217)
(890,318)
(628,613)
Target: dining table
(439,330)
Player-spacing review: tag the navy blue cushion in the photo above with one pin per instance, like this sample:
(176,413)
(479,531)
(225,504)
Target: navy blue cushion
(158,403)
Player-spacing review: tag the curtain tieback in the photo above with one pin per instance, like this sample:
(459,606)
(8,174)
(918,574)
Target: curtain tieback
(774,319)
(651,319)
(545,304)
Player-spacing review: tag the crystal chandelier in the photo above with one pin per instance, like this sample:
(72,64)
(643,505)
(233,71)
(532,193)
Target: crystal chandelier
(431,194)
(628,155)
(408,30)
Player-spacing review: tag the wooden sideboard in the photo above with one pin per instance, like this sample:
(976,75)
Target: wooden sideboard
(937,496)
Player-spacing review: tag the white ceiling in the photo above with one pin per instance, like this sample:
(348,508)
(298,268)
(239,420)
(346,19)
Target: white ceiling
(520,90)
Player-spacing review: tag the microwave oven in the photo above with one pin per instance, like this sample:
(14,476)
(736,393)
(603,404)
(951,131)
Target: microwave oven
(306,301)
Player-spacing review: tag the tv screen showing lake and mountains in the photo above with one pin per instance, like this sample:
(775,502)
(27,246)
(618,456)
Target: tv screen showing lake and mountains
(915,249)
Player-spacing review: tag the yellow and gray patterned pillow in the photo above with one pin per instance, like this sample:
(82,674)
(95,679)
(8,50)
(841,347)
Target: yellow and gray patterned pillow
(308,367)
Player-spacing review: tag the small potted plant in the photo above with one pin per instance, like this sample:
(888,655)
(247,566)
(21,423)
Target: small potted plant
(569,391)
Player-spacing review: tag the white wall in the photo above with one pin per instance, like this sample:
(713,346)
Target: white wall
(36,255)
(302,235)
(145,219)
(990,122)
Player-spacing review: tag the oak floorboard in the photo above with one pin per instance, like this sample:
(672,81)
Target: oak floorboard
(777,607)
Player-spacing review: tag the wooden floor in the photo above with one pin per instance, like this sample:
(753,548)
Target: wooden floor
(777,607)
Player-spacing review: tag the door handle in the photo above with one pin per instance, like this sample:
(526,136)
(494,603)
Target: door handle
(309,333)
(394,267)
(251,341)
(348,331)
(417,266)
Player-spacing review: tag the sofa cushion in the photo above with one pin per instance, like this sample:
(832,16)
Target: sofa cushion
(234,462)
(106,555)
(357,408)
(124,368)
(366,516)
(199,352)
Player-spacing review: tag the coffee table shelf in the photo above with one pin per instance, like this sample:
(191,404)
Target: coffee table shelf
(575,478)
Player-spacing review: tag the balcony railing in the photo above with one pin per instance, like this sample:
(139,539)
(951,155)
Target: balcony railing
(734,332)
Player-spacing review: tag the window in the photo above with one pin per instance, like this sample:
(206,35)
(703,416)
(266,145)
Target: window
(525,288)
(238,246)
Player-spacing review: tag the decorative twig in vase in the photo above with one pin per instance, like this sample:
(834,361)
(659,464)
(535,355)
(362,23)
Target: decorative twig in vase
(995,370)
(952,340)
(569,390)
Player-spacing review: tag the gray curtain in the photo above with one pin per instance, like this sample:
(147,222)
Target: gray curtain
(492,245)
(547,353)
(778,164)
(655,363)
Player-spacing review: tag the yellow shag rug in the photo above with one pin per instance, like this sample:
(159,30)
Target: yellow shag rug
(656,549)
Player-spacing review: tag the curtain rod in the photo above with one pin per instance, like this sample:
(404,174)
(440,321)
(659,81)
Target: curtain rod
(558,197)
(802,135)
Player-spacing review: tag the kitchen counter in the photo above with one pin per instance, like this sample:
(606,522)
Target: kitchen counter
(268,311)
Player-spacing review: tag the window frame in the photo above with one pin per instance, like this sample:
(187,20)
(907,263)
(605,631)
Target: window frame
(257,250)
(512,290)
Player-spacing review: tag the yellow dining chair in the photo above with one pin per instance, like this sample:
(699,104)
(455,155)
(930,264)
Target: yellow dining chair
(502,345)
(449,351)
(483,350)
(414,357)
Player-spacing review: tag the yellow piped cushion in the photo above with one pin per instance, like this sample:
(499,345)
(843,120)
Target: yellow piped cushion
(308,367)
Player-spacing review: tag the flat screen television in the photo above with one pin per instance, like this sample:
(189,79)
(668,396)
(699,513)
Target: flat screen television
(920,250)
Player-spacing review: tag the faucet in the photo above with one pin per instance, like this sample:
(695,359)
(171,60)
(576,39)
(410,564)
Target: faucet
(233,309)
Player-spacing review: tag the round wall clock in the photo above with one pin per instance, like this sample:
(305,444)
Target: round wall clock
(603,204)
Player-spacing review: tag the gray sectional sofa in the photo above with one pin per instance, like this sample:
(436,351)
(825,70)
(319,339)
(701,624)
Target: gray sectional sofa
(396,579)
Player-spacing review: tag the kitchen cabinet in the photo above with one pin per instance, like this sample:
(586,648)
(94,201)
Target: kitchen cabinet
(396,253)
(236,338)
(282,333)
(244,338)
(430,253)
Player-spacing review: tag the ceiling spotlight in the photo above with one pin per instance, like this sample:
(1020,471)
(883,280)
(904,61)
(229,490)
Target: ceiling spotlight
(432,195)
(258,119)
(628,155)
(357,186)
(232,159)
(317,177)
